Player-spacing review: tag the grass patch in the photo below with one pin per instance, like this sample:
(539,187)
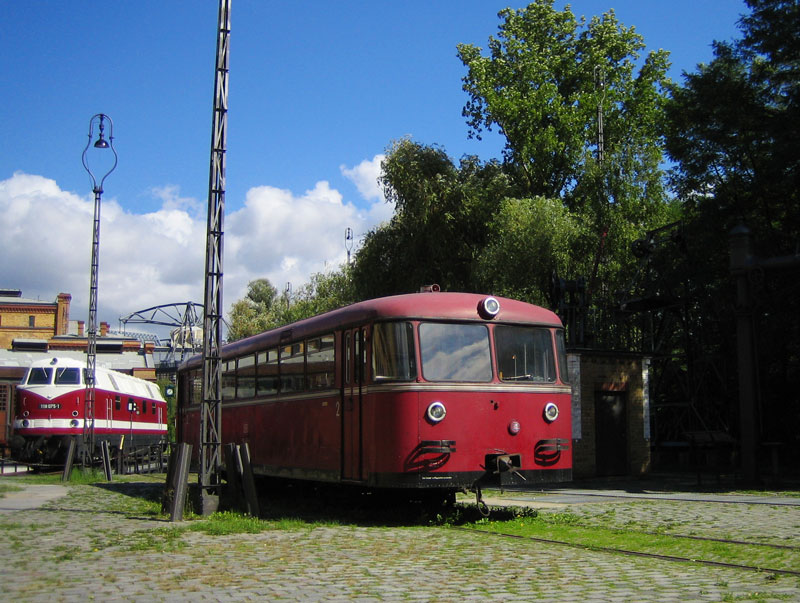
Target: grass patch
(566,527)
(6,488)
(227,522)
(162,540)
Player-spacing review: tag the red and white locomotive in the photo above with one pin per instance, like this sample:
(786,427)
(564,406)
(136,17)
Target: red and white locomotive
(429,390)
(50,410)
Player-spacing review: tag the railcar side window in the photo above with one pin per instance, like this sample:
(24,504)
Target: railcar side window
(267,380)
(197,387)
(39,376)
(393,351)
(561,350)
(320,362)
(246,377)
(454,352)
(68,376)
(228,381)
(525,354)
(292,368)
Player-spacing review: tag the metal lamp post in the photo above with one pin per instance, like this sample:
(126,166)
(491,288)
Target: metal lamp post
(102,144)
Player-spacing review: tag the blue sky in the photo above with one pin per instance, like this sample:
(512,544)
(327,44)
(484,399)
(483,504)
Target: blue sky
(318,90)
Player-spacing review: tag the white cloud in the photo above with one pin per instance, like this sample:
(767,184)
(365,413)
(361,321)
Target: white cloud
(365,176)
(144,260)
(158,258)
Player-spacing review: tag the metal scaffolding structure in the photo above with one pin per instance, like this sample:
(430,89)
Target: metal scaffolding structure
(186,319)
(211,411)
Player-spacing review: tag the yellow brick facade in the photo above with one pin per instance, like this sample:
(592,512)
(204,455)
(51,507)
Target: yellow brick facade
(30,319)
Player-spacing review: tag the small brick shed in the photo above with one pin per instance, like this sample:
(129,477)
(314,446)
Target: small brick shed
(610,413)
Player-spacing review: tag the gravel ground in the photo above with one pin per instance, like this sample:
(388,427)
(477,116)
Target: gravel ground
(104,542)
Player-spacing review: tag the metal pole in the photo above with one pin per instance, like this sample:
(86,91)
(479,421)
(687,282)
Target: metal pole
(741,260)
(91,347)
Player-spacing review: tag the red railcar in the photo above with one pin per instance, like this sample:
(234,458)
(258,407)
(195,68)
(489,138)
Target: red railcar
(129,412)
(428,390)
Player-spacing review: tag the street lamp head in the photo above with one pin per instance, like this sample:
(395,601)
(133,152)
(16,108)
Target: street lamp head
(102,144)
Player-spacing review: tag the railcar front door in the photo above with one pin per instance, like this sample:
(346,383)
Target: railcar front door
(353,380)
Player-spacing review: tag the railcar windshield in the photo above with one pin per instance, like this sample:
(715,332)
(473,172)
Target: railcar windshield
(455,352)
(68,376)
(393,351)
(525,354)
(39,376)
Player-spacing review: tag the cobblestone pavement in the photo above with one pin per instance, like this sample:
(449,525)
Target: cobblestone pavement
(95,543)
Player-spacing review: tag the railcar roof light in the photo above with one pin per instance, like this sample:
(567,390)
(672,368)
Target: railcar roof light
(489,307)
(550,412)
(514,427)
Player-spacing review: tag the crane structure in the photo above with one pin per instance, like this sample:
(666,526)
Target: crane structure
(186,320)
(211,409)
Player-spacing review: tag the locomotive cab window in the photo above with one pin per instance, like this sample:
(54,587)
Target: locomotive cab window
(455,352)
(39,376)
(393,351)
(525,354)
(68,376)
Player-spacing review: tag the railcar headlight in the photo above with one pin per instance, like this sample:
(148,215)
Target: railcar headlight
(489,307)
(550,412)
(26,423)
(74,423)
(514,427)
(436,412)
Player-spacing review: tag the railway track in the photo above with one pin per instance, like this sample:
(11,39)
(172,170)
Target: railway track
(731,499)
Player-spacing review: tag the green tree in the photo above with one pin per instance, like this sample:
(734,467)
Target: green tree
(439,225)
(735,125)
(734,128)
(253,313)
(545,77)
(548,82)
(324,292)
(529,241)
(262,308)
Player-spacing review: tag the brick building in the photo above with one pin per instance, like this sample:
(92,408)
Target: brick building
(610,413)
(25,319)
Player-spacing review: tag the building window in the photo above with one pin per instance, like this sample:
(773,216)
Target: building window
(31,321)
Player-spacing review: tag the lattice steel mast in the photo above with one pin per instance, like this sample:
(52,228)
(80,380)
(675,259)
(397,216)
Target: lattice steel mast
(211,419)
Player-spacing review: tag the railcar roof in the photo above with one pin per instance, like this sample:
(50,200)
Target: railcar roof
(411,306)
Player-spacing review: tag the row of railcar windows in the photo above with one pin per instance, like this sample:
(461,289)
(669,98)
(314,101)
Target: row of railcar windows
(296,367)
